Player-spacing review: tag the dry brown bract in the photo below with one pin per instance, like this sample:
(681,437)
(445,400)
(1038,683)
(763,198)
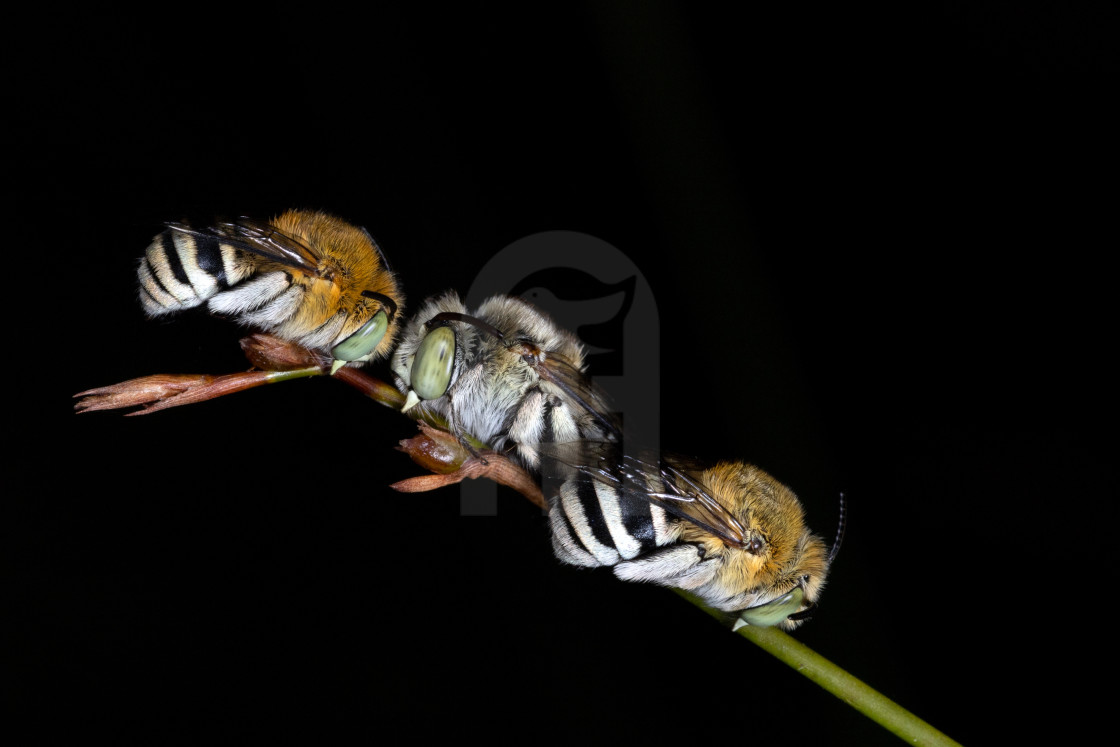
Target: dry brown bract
(276,360)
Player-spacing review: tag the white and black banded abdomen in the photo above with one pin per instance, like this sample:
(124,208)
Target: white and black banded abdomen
(594,523)
(598,522)
(180,271)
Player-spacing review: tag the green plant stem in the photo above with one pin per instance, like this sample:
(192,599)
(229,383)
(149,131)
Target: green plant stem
(159,391)
(389,396)
(774,641)
(275,377)
(853,691)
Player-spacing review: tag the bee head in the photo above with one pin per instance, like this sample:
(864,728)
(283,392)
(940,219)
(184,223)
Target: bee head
(362,344)
(434,365)
(803,574)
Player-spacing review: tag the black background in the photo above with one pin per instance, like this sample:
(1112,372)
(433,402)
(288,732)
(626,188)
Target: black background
(877,239)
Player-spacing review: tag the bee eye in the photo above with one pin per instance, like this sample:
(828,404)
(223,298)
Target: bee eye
(431,369)
(755,546)
(774,611)
(364,341)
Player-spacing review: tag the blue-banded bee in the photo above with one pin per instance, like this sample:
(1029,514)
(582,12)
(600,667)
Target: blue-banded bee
(305,276)
(731,534)
(505,374)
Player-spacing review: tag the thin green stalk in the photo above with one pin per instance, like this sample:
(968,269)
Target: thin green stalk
(274,377)
(161,391)
(389,396)
(853,691)
(774,641)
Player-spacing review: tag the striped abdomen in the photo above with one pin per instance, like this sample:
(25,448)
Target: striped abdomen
(596,523)
(180,271)
(544,418)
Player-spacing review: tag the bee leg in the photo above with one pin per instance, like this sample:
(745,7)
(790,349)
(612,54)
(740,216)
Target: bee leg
(464,441)
(463,437)
(681,565)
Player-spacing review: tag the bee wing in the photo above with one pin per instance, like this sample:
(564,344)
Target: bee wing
(559,371)
(262,239)
(668,481)
(687,497)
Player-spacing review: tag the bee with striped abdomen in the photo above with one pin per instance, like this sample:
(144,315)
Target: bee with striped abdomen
(505,374)
(731,534)
(305,276)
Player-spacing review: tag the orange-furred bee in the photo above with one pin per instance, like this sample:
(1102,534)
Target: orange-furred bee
(305,276)
(731,534)
(505,374)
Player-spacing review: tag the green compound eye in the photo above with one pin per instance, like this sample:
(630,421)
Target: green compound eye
(773,612)
(431,369)
(364,341)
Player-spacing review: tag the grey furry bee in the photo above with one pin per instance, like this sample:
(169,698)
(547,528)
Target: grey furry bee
(305,276)
(505,374)
(730,534)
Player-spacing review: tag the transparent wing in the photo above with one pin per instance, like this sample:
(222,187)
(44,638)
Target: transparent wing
(672,482)
(559,371)
(262,239)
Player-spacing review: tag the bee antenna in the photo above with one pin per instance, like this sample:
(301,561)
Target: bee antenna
(839,531)
(455,316)
(384,259)
(384,300)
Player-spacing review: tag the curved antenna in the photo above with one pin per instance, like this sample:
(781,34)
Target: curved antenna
(384,259)
(839,531)
(389,304)
(806,613)
(455,316)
